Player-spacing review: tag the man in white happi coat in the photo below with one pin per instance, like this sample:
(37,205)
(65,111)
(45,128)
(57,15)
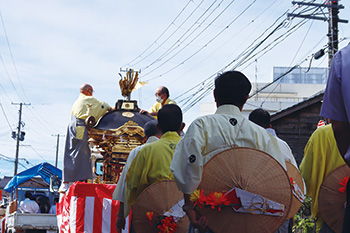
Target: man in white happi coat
(262,118)
(209,135)
(28,205)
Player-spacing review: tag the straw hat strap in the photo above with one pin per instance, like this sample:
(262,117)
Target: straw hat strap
(239,130)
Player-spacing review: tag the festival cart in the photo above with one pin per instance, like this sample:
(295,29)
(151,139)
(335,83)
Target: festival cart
(88,207)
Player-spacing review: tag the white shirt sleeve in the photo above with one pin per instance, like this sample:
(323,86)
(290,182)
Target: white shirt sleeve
(187,164)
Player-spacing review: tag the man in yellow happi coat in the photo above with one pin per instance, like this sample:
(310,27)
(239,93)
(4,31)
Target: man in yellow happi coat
(152,134)
(76,160)
(321,157)
(152,162)
(162,98)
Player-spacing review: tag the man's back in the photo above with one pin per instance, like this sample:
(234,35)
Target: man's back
(209,135)
(321,157)
(286,151)
(53,210)
(86,106)
(119,193)
(151,164)
(337,96)
(29,206)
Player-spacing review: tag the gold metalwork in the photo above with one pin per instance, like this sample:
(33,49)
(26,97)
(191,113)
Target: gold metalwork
(114,146)
(128,83)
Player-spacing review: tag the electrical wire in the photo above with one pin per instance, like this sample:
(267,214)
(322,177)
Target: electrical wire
(302,42)
(252,46)
(166,29)
(9,77)
(204,46)
(180,40)
(7,120)
(11,55)
(272,45)
(37,114)
(211,76)
(8,159)
(37,153)
(277,79)
(240,32)
(5,133)
(284,24)
(210,86)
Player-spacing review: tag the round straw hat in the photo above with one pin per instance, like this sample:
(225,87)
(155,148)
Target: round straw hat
(250,170)
(331,201)
(294,173)
(157,198)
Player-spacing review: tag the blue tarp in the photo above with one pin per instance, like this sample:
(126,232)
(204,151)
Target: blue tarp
(45,170)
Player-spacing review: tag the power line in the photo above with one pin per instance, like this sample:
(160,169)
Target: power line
(37,153)
(333,21)
(305,55)
(180,40)
(37,114)
(155,42)
(204,46)
(281,37)
(273,44)
(201,94)
(249,51)
(243,53)
(283,75)
(240,32)
(6,133)
(277,79)
(8,159)
(9,77)
(5,116)
(11,55)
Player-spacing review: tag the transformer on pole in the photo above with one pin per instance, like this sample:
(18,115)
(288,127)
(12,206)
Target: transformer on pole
(332,19)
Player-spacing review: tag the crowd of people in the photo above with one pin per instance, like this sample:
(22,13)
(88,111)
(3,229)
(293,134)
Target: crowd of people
(38,204)
(170,154)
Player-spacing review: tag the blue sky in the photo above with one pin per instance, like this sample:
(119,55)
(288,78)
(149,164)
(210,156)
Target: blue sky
(49,48)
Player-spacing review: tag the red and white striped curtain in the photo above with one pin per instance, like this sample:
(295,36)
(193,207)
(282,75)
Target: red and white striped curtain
(3,224)
(88,208)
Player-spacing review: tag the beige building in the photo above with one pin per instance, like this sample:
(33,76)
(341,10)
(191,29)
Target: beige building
(274,98)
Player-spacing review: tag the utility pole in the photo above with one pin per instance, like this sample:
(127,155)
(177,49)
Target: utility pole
(333,31)
(57,146)
(20,135)
(333,20)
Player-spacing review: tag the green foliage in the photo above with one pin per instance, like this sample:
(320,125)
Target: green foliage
(303,223)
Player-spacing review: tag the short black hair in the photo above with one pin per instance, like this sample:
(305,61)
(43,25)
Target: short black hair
(260,117)
(150,128)
(28,195)
(232,87)
(166,91)
(170,118)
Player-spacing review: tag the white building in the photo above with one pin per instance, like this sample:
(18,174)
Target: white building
(293,88)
